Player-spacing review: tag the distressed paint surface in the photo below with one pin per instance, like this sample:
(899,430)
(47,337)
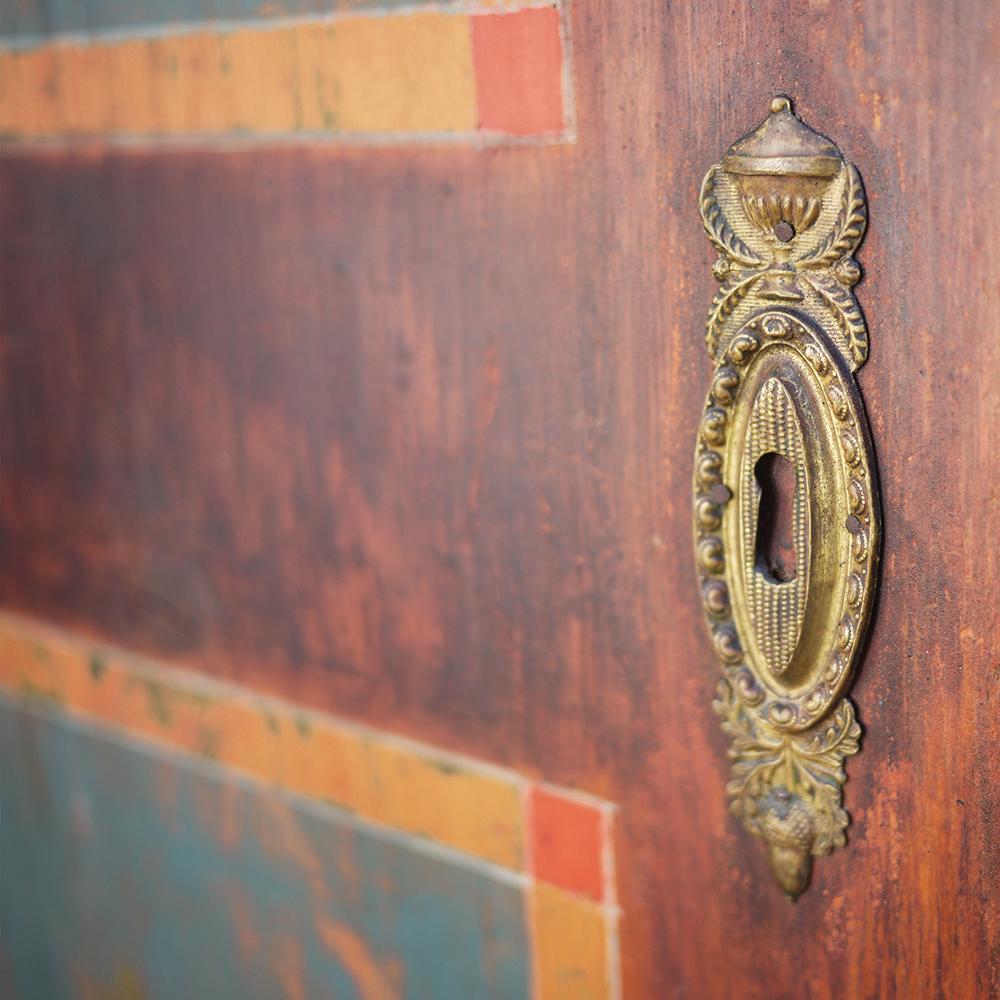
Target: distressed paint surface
(471,814)
(405,434)
(414,73)
(128,875)
(381,75)
(465,806)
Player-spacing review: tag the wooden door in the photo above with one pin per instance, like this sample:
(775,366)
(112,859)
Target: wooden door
(352,365)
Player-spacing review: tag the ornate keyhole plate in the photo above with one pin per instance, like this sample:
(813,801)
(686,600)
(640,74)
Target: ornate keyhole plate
(786,212)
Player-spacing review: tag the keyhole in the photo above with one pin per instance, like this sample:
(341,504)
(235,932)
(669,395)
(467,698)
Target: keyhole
(774,553)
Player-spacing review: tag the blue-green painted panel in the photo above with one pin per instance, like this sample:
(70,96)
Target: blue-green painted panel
(33,21)
(126,875)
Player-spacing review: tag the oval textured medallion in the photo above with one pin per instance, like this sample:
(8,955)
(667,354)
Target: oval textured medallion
(791,630)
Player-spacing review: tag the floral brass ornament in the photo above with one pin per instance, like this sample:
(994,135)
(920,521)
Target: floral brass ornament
(786,212)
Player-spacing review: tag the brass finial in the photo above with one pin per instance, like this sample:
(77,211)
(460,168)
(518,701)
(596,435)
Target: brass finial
(782,169)
(781,145)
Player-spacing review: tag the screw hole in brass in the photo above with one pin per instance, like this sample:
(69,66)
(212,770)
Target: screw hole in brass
(784,232)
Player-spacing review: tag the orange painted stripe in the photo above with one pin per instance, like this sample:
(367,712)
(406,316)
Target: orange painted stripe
(407,73)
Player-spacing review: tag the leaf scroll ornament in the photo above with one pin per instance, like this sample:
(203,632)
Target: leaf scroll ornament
(719,231)
(786,787)
(848,229)
(732,291)
(736,280)
(845,311)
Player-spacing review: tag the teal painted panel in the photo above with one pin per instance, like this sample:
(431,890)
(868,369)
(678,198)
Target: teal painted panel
(34,21)
(126,875)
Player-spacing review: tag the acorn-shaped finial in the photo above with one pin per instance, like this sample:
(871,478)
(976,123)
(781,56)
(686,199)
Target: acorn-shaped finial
(787,825)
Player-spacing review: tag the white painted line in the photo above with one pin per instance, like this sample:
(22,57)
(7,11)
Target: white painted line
(612,912)
(223,142)
(568,94)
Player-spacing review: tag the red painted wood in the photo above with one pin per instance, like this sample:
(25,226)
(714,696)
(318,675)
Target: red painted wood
(408,434)
(566,843)
(518,61)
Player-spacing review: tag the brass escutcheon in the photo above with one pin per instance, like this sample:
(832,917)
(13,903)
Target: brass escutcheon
(786,212)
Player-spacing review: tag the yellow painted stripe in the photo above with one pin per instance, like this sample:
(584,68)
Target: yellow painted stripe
(405,786)
(405,74)
(574,946)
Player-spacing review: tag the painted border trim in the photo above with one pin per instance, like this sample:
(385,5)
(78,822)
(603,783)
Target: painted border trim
(556,843)
(473,74)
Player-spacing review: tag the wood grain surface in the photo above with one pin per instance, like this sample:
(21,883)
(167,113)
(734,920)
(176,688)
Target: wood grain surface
(408,433)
